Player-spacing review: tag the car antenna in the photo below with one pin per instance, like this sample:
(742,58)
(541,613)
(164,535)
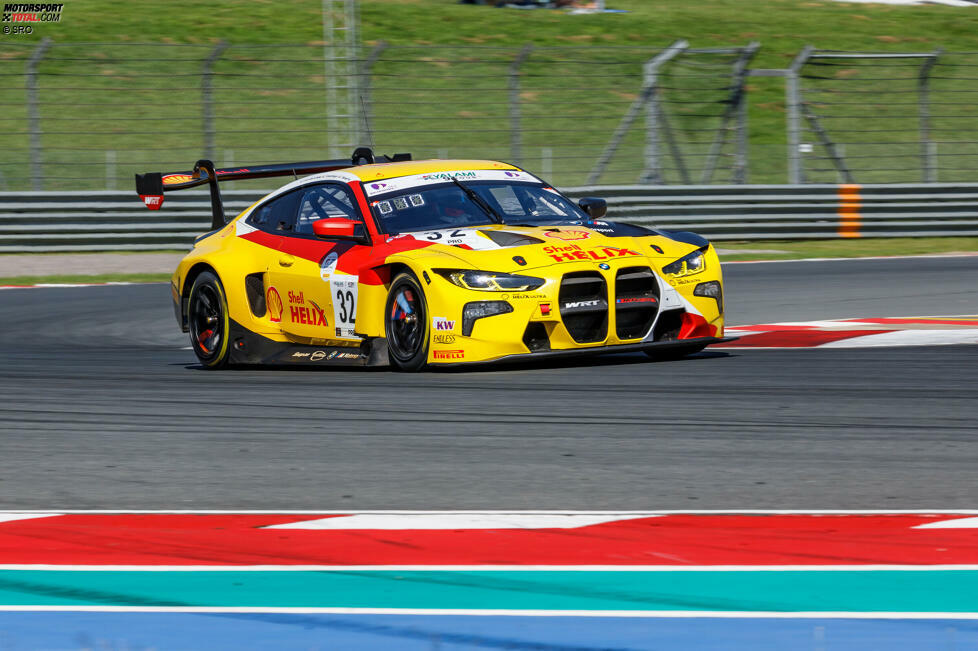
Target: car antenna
(366,122)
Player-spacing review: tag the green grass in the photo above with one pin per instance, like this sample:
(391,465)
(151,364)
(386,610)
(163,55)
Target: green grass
(81,278)
(148,112)
(850,248)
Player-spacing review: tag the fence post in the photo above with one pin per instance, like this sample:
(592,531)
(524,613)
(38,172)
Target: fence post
(516,135)
(629,118)
(366,99)
(652,172)
(733,111)
(34,114)
(923,88)
(207,97)
(793,106)
(110,177)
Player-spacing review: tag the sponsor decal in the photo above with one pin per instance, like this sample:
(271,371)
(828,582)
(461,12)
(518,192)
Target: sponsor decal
(448,176)
(568,235)
(347,356)
(416,180)
(343,290)
(317,356)
(332,354)
(296,299)
(574,304)
(171,179)
(152,201)
(444,339)
(313,316)
(300,354)
(449,354)
(522,296)
(328,265)
(274,303)
(574,253)
(640,299)
(441,323)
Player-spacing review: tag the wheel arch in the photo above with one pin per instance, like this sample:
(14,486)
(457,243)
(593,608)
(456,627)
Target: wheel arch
(188,283)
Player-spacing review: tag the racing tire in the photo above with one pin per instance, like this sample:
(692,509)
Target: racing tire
(208,321)
(406,324)
(674,353)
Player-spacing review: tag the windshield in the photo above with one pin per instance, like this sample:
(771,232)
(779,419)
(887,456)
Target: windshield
(446,206)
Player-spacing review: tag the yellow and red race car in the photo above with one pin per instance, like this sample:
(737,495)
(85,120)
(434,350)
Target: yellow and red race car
(417,263)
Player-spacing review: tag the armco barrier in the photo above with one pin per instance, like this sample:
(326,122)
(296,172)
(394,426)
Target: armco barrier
(118,221)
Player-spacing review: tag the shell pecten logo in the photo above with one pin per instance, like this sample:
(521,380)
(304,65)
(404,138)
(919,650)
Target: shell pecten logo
(568,235)
(171,179)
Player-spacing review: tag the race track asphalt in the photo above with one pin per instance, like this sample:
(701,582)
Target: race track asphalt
(104,408)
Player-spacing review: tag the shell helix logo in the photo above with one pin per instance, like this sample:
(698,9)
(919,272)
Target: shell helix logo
(568,235)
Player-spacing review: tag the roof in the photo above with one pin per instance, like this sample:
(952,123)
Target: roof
(380,171)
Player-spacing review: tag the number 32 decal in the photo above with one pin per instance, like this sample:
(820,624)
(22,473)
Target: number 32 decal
(347,304)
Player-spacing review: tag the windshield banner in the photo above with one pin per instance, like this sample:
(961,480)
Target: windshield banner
(432,178)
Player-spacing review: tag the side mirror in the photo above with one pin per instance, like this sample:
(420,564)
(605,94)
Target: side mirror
(339,228)
(595,208)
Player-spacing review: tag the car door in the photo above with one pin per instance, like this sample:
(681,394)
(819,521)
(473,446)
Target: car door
(317,283)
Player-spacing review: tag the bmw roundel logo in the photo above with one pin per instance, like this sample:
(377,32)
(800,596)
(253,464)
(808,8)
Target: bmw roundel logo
(604,265)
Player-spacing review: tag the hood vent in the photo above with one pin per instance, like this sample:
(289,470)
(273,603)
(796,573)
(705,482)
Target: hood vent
(507,239)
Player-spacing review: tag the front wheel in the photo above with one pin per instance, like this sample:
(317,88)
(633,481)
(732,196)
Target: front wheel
(406,324)
(208,320)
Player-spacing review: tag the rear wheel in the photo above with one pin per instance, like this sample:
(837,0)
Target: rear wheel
(208,320)
(406,324)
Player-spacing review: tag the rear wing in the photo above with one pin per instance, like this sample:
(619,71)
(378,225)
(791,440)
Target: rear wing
(152,186)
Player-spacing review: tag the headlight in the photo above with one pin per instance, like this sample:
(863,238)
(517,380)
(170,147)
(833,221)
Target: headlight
(689,264)
(490,281)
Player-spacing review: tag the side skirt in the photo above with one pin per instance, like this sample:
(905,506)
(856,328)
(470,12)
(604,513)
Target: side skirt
(251,348)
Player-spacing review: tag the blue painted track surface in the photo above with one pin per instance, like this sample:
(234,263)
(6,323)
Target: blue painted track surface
(179,631)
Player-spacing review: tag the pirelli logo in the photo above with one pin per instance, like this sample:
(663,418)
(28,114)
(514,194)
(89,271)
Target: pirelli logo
(449,354)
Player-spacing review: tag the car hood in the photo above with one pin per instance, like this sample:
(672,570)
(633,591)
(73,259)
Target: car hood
(515,249)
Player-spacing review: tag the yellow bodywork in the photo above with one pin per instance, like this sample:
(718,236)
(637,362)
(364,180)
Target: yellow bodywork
(564,250)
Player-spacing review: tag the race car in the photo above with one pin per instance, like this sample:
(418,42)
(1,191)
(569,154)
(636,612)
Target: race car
(387,260)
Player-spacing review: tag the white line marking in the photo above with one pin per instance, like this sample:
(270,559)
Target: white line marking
(686,614)
(454,521)
(928,512)
(960,523)
(907,338)
(488,568)
(13,517)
